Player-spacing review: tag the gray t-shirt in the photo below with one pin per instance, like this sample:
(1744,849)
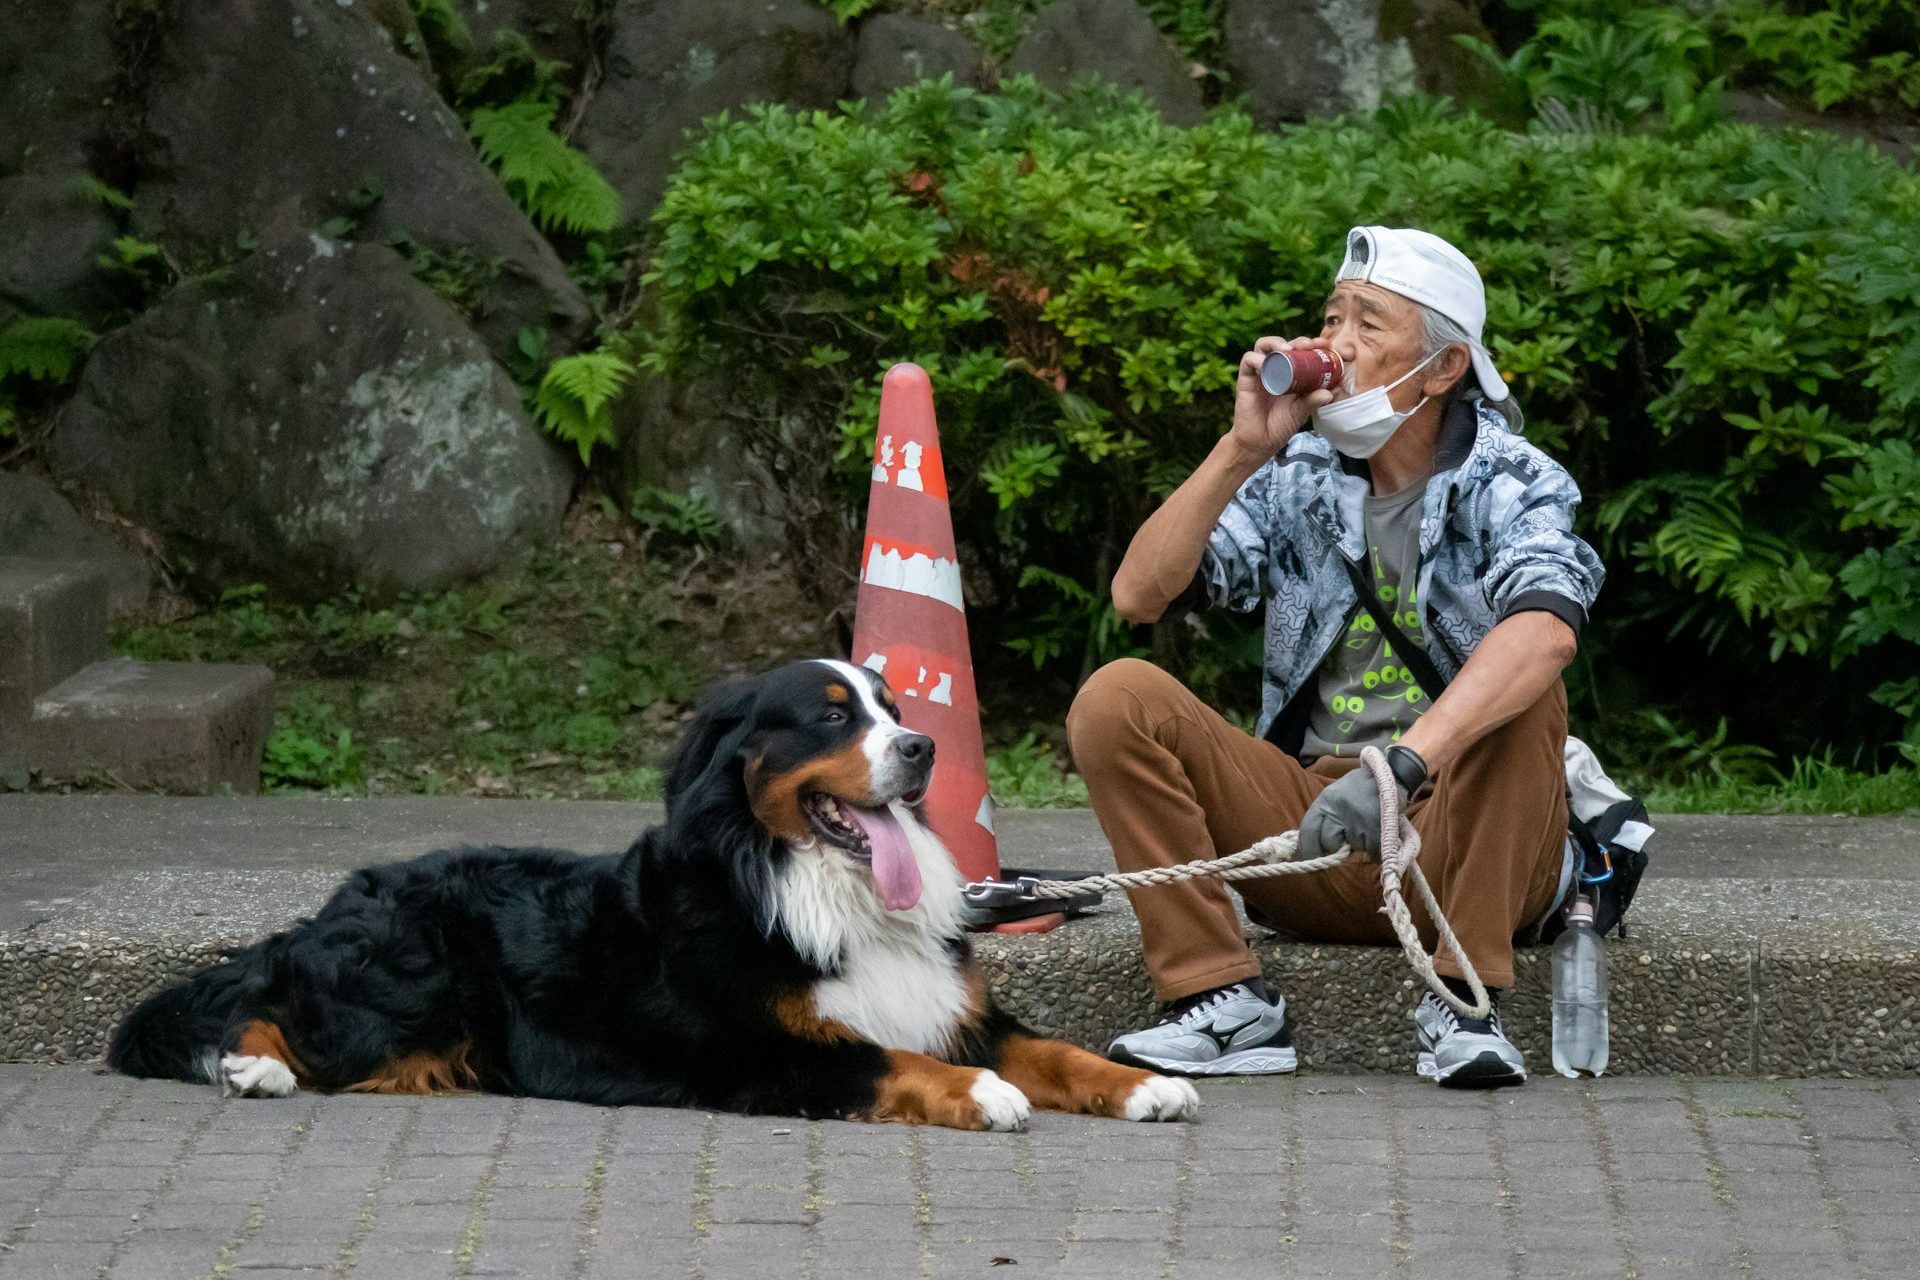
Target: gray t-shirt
(1367,697)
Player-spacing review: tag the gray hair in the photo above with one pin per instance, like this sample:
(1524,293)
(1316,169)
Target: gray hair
(1437,333)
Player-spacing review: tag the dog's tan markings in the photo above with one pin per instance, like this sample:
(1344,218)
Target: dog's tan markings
(775,800)
(846,774)
(797,1016)
(447,1071)
(776,797)
(263,1039)
(922,1090)
(1057,1076)
(839,693)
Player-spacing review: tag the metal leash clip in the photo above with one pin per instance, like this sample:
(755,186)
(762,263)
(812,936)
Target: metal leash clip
(1001,893)
(991,902)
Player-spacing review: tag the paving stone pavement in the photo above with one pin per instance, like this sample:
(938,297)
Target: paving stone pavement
(1305,1177)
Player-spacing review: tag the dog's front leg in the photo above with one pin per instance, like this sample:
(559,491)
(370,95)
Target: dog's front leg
(917,1089)
(1062,1077)
(842,1073)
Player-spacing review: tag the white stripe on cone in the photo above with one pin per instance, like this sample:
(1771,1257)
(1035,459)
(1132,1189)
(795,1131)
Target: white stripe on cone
(917,574)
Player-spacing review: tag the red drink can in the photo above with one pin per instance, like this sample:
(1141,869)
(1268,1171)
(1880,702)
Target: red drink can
(1300,371)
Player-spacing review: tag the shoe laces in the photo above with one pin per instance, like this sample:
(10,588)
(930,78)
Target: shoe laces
(1490,1023)
(1204,1011)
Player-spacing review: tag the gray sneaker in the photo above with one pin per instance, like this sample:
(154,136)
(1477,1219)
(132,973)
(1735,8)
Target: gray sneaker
(1232,1032)
(1465,1053)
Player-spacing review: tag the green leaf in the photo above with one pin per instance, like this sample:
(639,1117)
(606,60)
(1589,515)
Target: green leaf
(43,348)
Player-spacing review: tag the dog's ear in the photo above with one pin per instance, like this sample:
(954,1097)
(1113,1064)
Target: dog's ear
(714,739)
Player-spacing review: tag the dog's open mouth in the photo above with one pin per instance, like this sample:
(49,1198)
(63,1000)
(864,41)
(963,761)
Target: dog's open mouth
(877,837)
(834,821)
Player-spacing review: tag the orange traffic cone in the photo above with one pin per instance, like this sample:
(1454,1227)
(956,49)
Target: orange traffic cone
(910,623)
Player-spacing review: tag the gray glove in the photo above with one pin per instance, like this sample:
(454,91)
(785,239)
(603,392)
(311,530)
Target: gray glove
(1346,813)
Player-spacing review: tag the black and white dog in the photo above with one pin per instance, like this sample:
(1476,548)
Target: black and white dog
(789,941)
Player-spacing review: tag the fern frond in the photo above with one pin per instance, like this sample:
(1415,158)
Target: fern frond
(554,184)
(574,399)
(593,378)
(1702,535)
(518,140)
(44,348)
(581,201)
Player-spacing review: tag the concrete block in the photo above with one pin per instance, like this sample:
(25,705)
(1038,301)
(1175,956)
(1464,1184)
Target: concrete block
(53,622)
(166,726)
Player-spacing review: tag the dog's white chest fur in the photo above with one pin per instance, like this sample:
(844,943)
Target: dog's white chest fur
(894,980)
(899,998)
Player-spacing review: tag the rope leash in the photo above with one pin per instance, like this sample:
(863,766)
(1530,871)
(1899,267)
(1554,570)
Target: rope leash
(1273,856)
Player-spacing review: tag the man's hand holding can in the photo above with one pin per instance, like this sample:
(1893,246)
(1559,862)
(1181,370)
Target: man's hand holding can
(1281,382)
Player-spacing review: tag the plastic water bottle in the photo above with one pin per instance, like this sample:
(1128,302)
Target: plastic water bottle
(1579,996)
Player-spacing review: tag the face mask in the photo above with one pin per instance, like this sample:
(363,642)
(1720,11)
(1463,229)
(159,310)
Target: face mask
(1359,425)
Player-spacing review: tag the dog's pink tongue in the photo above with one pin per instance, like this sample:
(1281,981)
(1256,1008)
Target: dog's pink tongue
(894,871)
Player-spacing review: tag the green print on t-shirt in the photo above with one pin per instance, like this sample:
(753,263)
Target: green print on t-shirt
(1368,697)
(1380,699)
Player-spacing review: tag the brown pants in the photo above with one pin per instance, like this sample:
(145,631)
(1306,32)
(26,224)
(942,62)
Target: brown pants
(1171,781)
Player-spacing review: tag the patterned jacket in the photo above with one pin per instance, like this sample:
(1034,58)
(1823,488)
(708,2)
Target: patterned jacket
(1496,539)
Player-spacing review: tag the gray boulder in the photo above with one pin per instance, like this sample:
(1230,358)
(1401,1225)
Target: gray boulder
(263,116)
(1117,40)
(38,523)
(1291,59)
(1441,66)
(673,438)
(316,420)
(896,50)
(58,77)
(52,235)
(669,64)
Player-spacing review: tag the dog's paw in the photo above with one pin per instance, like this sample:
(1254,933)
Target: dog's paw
(1162,1098)
(245,1076)
(1003,1108)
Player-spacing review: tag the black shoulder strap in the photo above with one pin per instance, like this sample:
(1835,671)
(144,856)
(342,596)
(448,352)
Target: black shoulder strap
(1408,652)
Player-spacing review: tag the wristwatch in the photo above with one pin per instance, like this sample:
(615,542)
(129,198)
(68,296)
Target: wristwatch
(1408,769)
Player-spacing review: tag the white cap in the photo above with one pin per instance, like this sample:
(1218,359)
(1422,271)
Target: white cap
(1425,268)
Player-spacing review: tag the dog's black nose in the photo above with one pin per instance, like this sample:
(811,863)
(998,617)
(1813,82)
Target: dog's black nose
(914,748)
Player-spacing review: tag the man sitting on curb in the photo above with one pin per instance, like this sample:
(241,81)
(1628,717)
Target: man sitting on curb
(1463,532)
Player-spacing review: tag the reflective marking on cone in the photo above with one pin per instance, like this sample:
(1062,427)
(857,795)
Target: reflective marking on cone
(935,684)
(909,465)
(914,571)
(985,816)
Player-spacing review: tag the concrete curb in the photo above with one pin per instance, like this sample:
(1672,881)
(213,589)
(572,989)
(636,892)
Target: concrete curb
(1737,1011)
(1776,971)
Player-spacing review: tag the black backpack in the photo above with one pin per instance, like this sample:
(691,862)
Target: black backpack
(1608,873)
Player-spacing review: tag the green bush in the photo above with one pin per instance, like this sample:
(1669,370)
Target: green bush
(1715,333)
(1612,62)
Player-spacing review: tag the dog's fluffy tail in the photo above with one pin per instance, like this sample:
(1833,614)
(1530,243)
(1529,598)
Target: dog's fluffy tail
(177,1034)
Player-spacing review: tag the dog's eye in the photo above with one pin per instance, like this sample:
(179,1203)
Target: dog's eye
(835,716)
